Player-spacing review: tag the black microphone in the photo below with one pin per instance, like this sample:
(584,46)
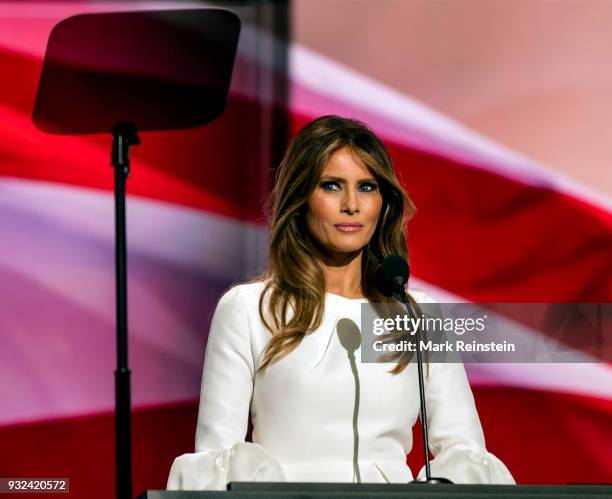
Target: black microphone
(391,276)
(390,279)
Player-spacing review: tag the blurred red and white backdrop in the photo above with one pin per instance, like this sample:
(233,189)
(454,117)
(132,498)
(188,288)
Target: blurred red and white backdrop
(497,115)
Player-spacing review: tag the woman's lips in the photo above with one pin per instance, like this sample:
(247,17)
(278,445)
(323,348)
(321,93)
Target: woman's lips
(348,227)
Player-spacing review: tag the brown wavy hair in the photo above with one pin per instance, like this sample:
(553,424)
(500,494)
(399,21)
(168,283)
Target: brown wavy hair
(295,278)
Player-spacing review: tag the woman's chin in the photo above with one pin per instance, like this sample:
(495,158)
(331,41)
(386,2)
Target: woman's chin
(345,249)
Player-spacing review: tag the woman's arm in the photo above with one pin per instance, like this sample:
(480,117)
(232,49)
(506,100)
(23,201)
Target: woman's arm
(227,378)
(221,454)
(455,434)
(456,438)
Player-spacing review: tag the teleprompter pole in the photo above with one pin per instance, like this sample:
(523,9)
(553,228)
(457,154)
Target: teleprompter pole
(124,136)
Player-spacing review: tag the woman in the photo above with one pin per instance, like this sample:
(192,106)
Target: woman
(274,348)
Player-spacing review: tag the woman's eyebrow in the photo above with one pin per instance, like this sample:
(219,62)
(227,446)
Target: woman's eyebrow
(342,180)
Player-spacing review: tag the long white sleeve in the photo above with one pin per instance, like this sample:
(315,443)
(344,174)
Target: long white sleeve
(227,378)
(455,434)
(221,454)
(456,438)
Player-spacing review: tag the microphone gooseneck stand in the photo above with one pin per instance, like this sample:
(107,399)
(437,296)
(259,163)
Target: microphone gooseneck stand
(390,278)
(398,292)
(124,136)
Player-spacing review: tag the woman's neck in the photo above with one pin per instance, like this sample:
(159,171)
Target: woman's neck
(343,276)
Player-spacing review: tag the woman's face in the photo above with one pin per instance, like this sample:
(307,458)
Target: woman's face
(343,210)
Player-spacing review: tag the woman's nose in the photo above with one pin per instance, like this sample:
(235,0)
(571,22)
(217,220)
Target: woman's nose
(350,203)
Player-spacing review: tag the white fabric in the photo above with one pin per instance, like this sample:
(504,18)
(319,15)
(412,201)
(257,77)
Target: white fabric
(302,409)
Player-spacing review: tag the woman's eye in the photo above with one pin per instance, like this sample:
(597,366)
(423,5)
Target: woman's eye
(330,186)
(368,187)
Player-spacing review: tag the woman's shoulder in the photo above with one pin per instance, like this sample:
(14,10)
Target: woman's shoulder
(248,292)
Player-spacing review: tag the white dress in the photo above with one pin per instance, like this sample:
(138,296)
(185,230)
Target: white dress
(303,406)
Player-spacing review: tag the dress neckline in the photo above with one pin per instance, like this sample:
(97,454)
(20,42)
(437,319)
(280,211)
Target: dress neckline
(362,299)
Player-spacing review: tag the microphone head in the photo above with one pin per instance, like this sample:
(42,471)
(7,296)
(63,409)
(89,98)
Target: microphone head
(392,274)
